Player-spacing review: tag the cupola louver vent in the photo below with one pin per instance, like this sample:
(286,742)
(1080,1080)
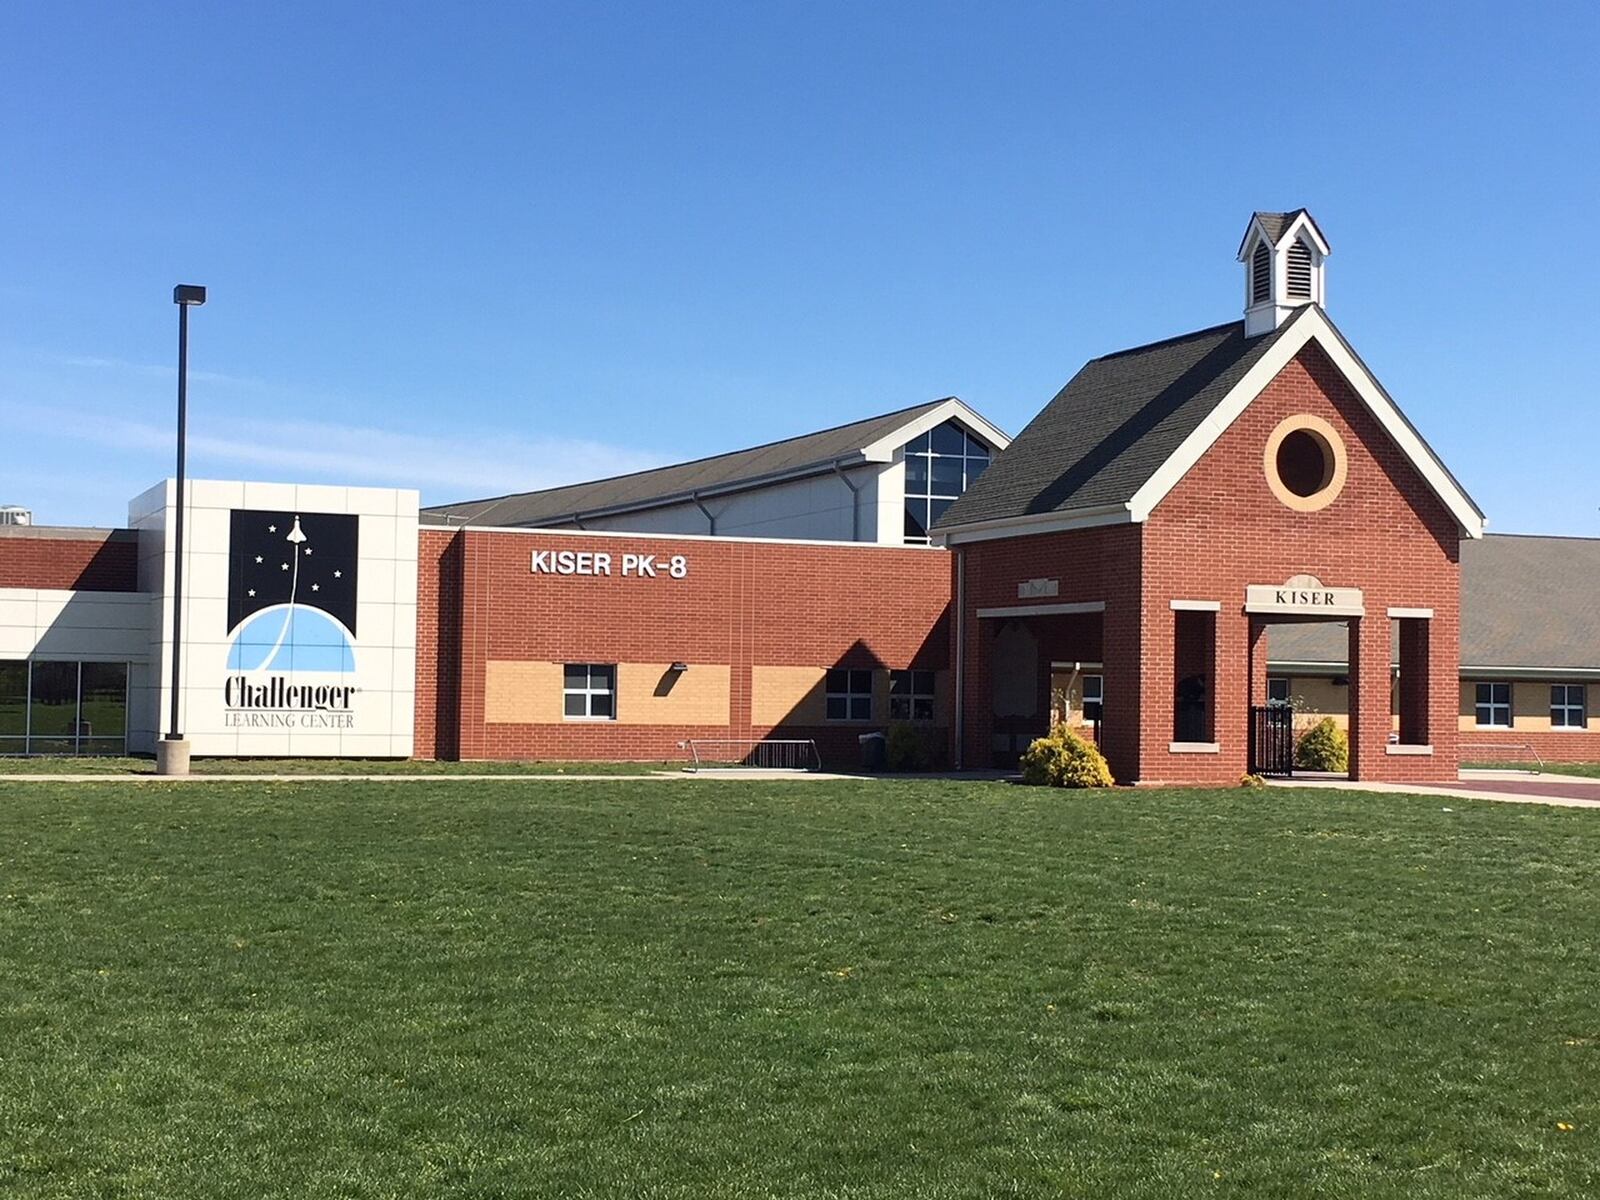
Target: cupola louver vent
(1261,273)
(1299,271)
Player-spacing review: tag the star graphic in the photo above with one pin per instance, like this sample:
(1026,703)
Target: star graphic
(258,558)
(316,587)
(272,529)
(252,591)
(284,567)
(308,549)
(338,574)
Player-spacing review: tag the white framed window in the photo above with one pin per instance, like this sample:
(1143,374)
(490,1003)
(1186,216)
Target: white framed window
(589,692)
(849,694)
(911,695)
(940,466)
(1493,705)
(1094,697)
(1569,707)
(1277,689)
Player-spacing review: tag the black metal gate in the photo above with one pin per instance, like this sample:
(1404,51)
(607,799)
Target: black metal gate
(1272,740)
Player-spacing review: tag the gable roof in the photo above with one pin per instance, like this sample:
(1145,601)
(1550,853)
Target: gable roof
(1108,431)
(1276,225)
(1527,602)
(871,440)
(1129,426)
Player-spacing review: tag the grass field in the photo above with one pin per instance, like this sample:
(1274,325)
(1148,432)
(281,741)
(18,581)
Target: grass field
(862,989)
(108,765)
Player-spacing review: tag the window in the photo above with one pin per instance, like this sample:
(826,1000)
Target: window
(940,466)
(1094,695)
(1494,704)
(1299,271)
(910,695)
(589,692)
(1568,709)
(849,695)
(63,708)
(1261,274)
(1278,689)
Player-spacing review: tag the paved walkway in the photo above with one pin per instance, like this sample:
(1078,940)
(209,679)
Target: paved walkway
(416,776)
(1514,787)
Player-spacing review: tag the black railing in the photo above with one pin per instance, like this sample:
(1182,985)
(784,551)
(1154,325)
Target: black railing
(1272,740)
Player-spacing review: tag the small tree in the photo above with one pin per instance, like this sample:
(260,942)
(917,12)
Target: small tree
(1063,759)
(1324,747)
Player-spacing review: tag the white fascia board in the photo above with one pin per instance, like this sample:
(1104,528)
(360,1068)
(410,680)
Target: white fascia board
(1245,246)
(1051,522)
(884,448)
(1197,606)
(1304,223)
(1308,325)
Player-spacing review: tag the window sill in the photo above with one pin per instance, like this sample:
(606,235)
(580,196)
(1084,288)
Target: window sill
(1402,748)
(1570,729)
(1194,748)
(590,720)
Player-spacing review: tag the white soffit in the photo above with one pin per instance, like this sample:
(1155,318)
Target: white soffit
(883,449)
(1307,326)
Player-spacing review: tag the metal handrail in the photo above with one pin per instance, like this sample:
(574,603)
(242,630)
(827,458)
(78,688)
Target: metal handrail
(1528,746)
(763,754)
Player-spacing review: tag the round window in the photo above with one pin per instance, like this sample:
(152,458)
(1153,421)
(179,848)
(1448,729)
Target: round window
(1305,463)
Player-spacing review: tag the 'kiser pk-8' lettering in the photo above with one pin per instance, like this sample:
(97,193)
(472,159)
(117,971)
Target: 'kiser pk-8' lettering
(598,562)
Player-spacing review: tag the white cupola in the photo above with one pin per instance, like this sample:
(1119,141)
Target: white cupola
(1283,255)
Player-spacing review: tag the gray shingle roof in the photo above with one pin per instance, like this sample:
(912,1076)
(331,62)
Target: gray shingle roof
(1526,601)
(679,481)
(1276,224)
(1110,429)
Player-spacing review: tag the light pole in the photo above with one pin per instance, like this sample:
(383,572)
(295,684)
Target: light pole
(172,752)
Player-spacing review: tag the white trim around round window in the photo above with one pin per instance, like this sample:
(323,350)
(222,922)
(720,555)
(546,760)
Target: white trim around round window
(1293,474)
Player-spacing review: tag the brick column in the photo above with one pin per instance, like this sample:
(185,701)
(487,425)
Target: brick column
(1369,696)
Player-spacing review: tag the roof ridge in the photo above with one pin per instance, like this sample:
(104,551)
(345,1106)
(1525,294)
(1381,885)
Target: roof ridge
(689,462)
(1546,537)
(1168,341)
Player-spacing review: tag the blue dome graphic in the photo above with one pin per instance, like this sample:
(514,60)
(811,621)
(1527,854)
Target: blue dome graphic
(291,638)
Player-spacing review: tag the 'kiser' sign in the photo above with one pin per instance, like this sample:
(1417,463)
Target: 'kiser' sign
(598,562)
(1300,597)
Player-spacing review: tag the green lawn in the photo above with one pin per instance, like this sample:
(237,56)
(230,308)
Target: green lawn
(107,765)
(1591,770)
(859,989)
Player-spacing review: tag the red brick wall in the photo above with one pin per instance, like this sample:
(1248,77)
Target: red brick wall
(103,561)
(1513,745)
(742,604)
(1221,529)
(1090,565)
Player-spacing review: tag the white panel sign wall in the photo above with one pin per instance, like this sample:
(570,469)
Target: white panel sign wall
(299,617)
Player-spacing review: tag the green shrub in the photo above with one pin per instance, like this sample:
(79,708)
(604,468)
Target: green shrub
(908,749)
(1323,747)
(1063,759)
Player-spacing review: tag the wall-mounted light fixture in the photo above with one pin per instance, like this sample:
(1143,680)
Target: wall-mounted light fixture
(679,667)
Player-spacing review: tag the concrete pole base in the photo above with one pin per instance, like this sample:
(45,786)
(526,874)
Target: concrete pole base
(172,756)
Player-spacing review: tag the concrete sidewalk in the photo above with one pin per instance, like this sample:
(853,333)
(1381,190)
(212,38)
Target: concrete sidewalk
(1508,787)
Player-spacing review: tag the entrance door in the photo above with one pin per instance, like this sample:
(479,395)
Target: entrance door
(1272,740)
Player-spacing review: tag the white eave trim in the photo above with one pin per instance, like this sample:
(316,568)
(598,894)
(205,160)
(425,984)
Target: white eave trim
(1308,325)
(1050,522)
(883,450)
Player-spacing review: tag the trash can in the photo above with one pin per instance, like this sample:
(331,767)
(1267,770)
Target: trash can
(874,751)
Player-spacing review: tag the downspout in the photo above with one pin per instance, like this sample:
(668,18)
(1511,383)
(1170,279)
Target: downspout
(961,655)
(711,520)
(855,502)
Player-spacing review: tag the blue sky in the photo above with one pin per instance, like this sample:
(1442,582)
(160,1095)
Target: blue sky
(484,248)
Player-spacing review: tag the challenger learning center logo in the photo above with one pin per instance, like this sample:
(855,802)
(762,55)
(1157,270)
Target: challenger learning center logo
(291,613)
